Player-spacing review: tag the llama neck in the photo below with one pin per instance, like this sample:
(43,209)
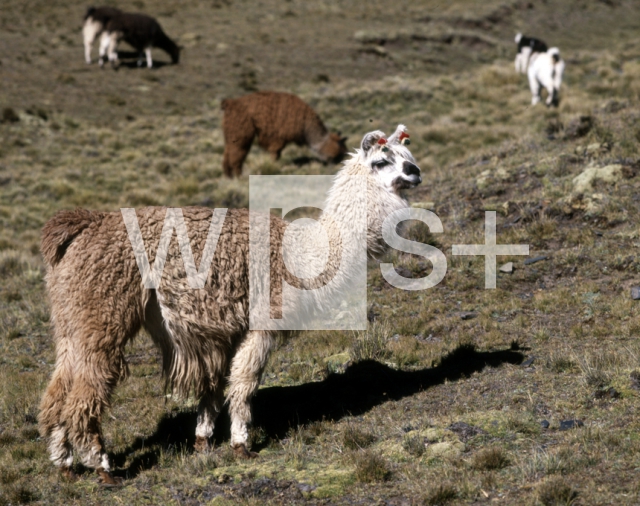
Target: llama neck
(329,267)
(316,134)
(162,41)
(344,206)
(319,144)
(352,220)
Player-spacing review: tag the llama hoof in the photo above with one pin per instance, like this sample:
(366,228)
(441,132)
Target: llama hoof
(108,480)
(68,473)
(242,452)
(202,444)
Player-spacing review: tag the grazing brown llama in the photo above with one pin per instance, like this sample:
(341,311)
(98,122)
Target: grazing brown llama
(99,303)
(140,31)
(277,119)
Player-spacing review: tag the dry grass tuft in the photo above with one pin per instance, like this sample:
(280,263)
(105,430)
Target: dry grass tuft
(442,494)
(354,438)
(12,263)
(18,494)
(370,467)
(414,445)
(490,459)
(556,492)
(371,344)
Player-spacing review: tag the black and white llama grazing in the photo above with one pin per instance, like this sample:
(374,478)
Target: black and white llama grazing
(545,71)
(140,31)
(95,22)
(526,47)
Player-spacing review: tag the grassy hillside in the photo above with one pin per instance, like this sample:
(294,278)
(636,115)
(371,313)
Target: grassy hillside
(442,400)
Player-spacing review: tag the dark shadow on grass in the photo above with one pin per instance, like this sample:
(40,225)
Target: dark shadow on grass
(299,161)
(360,388)
(131,59)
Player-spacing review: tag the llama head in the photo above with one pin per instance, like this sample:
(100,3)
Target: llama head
(389,160)
(389,167)
(175,54)
(334,148)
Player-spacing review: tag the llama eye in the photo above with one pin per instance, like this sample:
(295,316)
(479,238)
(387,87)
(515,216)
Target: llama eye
(378,164)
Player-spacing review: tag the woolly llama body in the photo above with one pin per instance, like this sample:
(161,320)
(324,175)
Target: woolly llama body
(98,303)
(545,71)
(276,119)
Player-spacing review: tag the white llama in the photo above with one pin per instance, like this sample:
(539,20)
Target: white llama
(545,71)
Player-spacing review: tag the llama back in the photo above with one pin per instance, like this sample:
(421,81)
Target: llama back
(60,231)
(284,116)
(101,14)
(138,29)
(142,31)
(218,313)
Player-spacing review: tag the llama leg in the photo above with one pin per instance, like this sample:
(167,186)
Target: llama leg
(53,401)
(208,411)
(83,412)
(246,369)
(276,150)
(535,90)
(112,52)
(551,96)
(557,80)
(87,51)
(234,156)
(104,47)
(522,59)
(90,30)
(97,373)
(239,131)
(147,52)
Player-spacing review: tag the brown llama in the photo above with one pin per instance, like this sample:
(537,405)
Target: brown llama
(99,303)
(277,119)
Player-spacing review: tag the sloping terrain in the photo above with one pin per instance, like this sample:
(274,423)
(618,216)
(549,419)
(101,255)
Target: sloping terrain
(445,398)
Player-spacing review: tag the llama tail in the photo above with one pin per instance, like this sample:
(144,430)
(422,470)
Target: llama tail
(556,73)
(60,231)
(558,66)
(518,37)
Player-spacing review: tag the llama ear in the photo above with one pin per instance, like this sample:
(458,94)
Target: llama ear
(371,139)
(399,135)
